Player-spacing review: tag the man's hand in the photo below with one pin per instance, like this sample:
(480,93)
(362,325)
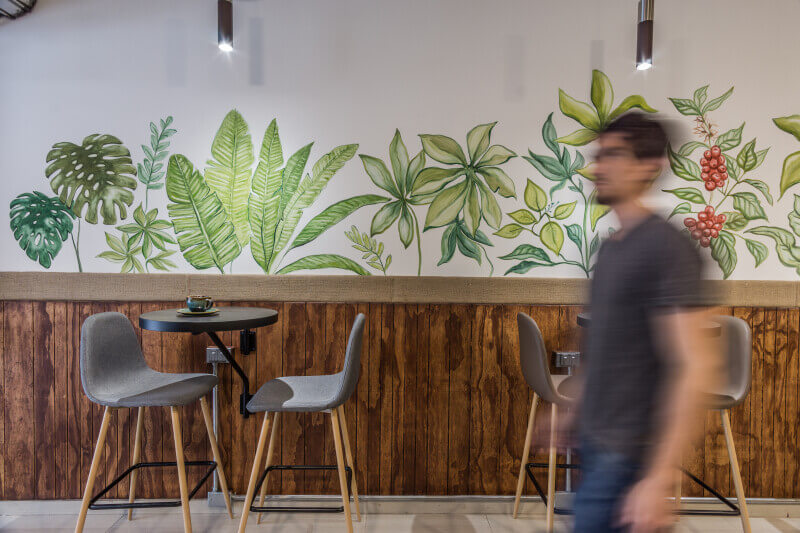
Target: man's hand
(646,508)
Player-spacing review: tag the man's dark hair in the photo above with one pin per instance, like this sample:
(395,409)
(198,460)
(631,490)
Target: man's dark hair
(647,136)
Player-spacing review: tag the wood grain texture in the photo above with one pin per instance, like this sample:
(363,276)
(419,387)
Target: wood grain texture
(440,407)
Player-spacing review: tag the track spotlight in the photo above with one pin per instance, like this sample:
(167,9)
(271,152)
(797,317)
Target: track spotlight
(225,25)
(644,35)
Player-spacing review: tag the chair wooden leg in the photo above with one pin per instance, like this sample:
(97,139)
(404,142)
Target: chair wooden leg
(337,442)
(678,481)
(737,477)
(268,463)
(525,452)
(98,453)
(348,453)
(251,487)
(551,470)
(137,451)
(176,434)
(223,483)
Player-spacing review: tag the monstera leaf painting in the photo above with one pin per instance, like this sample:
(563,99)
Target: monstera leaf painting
(228,171)
(97,175)
(205,234)
(40,225)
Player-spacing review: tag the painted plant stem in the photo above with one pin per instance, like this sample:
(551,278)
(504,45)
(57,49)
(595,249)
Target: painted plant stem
(76,245)
(419,243)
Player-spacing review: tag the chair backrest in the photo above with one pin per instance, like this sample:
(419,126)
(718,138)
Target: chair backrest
(737,353)
(110,354)
(533,360)
(352,361)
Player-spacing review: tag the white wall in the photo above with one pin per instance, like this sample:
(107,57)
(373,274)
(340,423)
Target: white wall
(351,71)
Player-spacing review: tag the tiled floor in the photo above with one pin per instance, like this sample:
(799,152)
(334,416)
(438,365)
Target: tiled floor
(208,520)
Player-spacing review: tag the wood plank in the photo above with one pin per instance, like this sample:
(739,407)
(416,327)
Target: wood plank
(155,418)
(314,424)
(757,328)
(3,351)
(294,362)
(336,329)
(717,465)
(768,404)
(350,406)
(18,395)
(387,377)
(791,479)
(85,414)
(60,437)
(513,400)
(459,334)
(44,400)
(244,431)
(779,443)
(423,390)
(438,414)
(402,416)
(269,366)
(372,440)
(360,420)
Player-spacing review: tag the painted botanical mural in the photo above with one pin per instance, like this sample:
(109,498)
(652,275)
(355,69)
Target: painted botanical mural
(260,203)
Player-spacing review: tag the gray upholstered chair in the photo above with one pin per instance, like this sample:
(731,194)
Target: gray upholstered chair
(115,374)
(554,389)
(309,394)
(737,355)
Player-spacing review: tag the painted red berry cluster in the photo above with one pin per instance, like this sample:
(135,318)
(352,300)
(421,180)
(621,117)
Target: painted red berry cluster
(713,169)
(706,226)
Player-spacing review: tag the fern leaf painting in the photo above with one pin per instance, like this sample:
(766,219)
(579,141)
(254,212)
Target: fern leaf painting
(228,171)
(97,175)
(205,234)
(40,225)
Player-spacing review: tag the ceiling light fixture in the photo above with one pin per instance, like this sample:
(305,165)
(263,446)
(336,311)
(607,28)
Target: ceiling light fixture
(644,35)
(225,25)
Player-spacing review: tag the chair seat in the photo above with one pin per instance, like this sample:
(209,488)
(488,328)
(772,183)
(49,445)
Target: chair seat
(157,389)
(297,394)
(719,401)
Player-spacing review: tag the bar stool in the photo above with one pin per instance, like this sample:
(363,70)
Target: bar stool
(536,370)
(308,394)
(115,374)
(737,353)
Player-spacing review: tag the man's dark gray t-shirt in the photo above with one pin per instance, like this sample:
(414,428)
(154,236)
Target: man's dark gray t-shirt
(652,269)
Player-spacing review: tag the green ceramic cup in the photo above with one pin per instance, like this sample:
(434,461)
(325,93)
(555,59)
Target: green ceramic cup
(199,303)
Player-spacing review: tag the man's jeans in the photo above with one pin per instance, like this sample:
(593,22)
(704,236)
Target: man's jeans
(606,478)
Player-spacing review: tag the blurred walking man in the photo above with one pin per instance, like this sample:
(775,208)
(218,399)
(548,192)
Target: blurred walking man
(644,364)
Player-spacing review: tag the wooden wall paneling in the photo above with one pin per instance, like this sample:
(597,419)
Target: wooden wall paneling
(228,408)
(244,431)
(779,443)
(459,337)
(60,399)
(421,402)
(43,400)
(350,407)
(73,464)
(716,469)
(314,424)
(402,419)
(86,413)
(757,328)
(193,426)
(791,392)
(269,366)
(153,435)
(2,402)
(359,419)
(387,376)
(294,362)
(740,419)
(438,401)
(331,357)
(372,440)
(569,339)
(119,449)
(513,400)
(768,403)
(18,392)
(96,418)
(484,410)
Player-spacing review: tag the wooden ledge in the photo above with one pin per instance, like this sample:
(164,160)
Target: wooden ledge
(400,289)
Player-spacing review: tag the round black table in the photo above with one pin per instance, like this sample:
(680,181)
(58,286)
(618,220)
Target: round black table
(228,319)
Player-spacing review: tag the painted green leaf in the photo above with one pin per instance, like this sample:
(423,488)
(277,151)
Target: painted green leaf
(587,172)
(434,179)
(509,231)
(472,210)
(733,167)
(575,234)
(735,221)
(597,211)
(265,196)
(405,227)
(495,155)
(161,262)
(549,134)
(579,137)
(730,139)
(489,207)
(443,149)
(794,216)
(747,156)
(498,181)
(334,214)
(448,244)
(97,175)
(762,187)
(716,102)
(150,172)
(602,94)
(758,250)
(316,262)
(478,140)
(527,251)
(398,155)
(700,95)
(523,216)
(577,110)
(785,246)
(790,124)
(680,209)
(229,171)
(379,174)
(550,167)
(723,251)
(594,246)
(523,267)
(148,230)
(748,205)
(688,193)
(446,206)
(564,210)
(685,106)
(414,169)
(629,103)
(535,197)
(40,225)
(689,148)
(790,175)
(467,247)
(292,172)
(552,236)
(683,167)
(205,234)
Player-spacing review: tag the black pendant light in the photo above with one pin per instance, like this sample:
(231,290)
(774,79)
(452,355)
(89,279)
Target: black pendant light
(225,25)
(644,35)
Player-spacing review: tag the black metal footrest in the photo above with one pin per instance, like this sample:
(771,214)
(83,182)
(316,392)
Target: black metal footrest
(150,505)
(295,508)
(734,509)
(529,469)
